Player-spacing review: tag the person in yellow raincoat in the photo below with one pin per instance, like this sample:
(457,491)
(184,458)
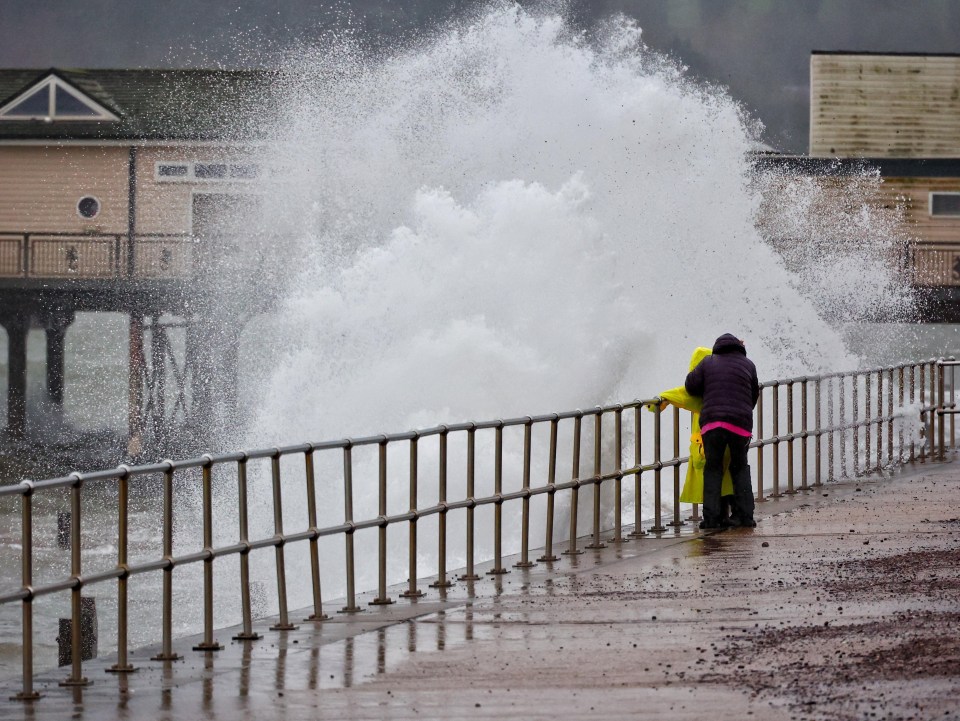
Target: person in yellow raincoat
(692,491)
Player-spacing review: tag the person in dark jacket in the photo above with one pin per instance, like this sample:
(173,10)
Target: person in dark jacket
(727,382)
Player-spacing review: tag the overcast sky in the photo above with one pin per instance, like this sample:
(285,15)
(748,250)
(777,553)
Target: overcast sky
(759,49)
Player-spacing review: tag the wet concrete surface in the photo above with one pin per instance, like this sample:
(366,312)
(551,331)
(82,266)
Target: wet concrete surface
(843,603)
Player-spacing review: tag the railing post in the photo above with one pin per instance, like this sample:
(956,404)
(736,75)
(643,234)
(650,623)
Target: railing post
(498,568)
(912,396)
(804,434)
(901,456)
(470,575)
(941,395)
(166,652)
(953,378)
(855,423)
(318,614)
(247,633)
(934,418)
(525,561)
(927,430)
(208,643)
(618,481)
(658,526)
(867,420)
(596,543)
(637,531)
(776,440)
(790,489)
(880,419)
(843,424)
(27,693)
(76,677)
(351,606)
(830,428)
(676,522)
(412,590)
(442,581)
(760,444)
(818,429)
(122,665)
(382,599)
(572,549)
(551,493)
(283,623)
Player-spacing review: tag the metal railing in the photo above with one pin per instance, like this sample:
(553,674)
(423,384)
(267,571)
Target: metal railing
(829,408)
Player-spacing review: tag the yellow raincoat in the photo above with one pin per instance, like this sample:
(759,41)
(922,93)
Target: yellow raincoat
(693,485)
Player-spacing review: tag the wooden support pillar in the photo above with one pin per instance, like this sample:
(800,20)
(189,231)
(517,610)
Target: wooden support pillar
(230,372)
(17,327)
(56,330)
(158,385)
(135,387)
(201,377)
(55,364)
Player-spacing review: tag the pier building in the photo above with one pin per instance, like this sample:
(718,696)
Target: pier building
(899,114)
(124,190)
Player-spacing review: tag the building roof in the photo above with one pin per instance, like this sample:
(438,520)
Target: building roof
(182,104)
(887,54)
(837,167)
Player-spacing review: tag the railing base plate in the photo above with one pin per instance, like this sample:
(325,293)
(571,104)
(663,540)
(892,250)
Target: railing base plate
(121,669)
(76,682)
(213,646)
(32,696)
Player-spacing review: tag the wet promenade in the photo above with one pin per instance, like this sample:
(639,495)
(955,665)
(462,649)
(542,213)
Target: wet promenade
(843,603)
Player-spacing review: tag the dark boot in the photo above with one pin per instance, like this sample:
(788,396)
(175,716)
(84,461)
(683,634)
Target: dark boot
(729,511)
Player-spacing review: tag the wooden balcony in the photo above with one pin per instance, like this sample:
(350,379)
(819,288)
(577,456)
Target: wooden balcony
(91,257)
(935,265)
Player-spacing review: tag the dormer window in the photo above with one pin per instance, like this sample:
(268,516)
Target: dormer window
(52,99)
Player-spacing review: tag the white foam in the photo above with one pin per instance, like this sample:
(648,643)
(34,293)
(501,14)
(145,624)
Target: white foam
(509,220)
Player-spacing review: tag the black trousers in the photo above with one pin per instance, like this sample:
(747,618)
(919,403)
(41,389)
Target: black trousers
(715,442)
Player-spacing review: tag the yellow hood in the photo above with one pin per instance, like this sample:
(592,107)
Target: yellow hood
(679,396)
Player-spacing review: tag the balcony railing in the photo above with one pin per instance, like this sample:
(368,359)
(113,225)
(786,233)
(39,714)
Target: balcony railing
(809,430)
(935,264)
(90,256)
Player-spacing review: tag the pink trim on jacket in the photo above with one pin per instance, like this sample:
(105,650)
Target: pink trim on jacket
(727,427)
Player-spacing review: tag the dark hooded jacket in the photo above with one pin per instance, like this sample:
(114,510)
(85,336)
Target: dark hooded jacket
(727,382)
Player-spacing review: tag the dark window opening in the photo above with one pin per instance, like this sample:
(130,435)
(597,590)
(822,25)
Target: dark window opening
(38,103)
(67,104)
(88,207)
(172,171)
(945,204)
(209,170)
(244,172)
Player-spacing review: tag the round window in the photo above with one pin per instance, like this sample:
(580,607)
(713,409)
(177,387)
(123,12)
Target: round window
(88,207)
